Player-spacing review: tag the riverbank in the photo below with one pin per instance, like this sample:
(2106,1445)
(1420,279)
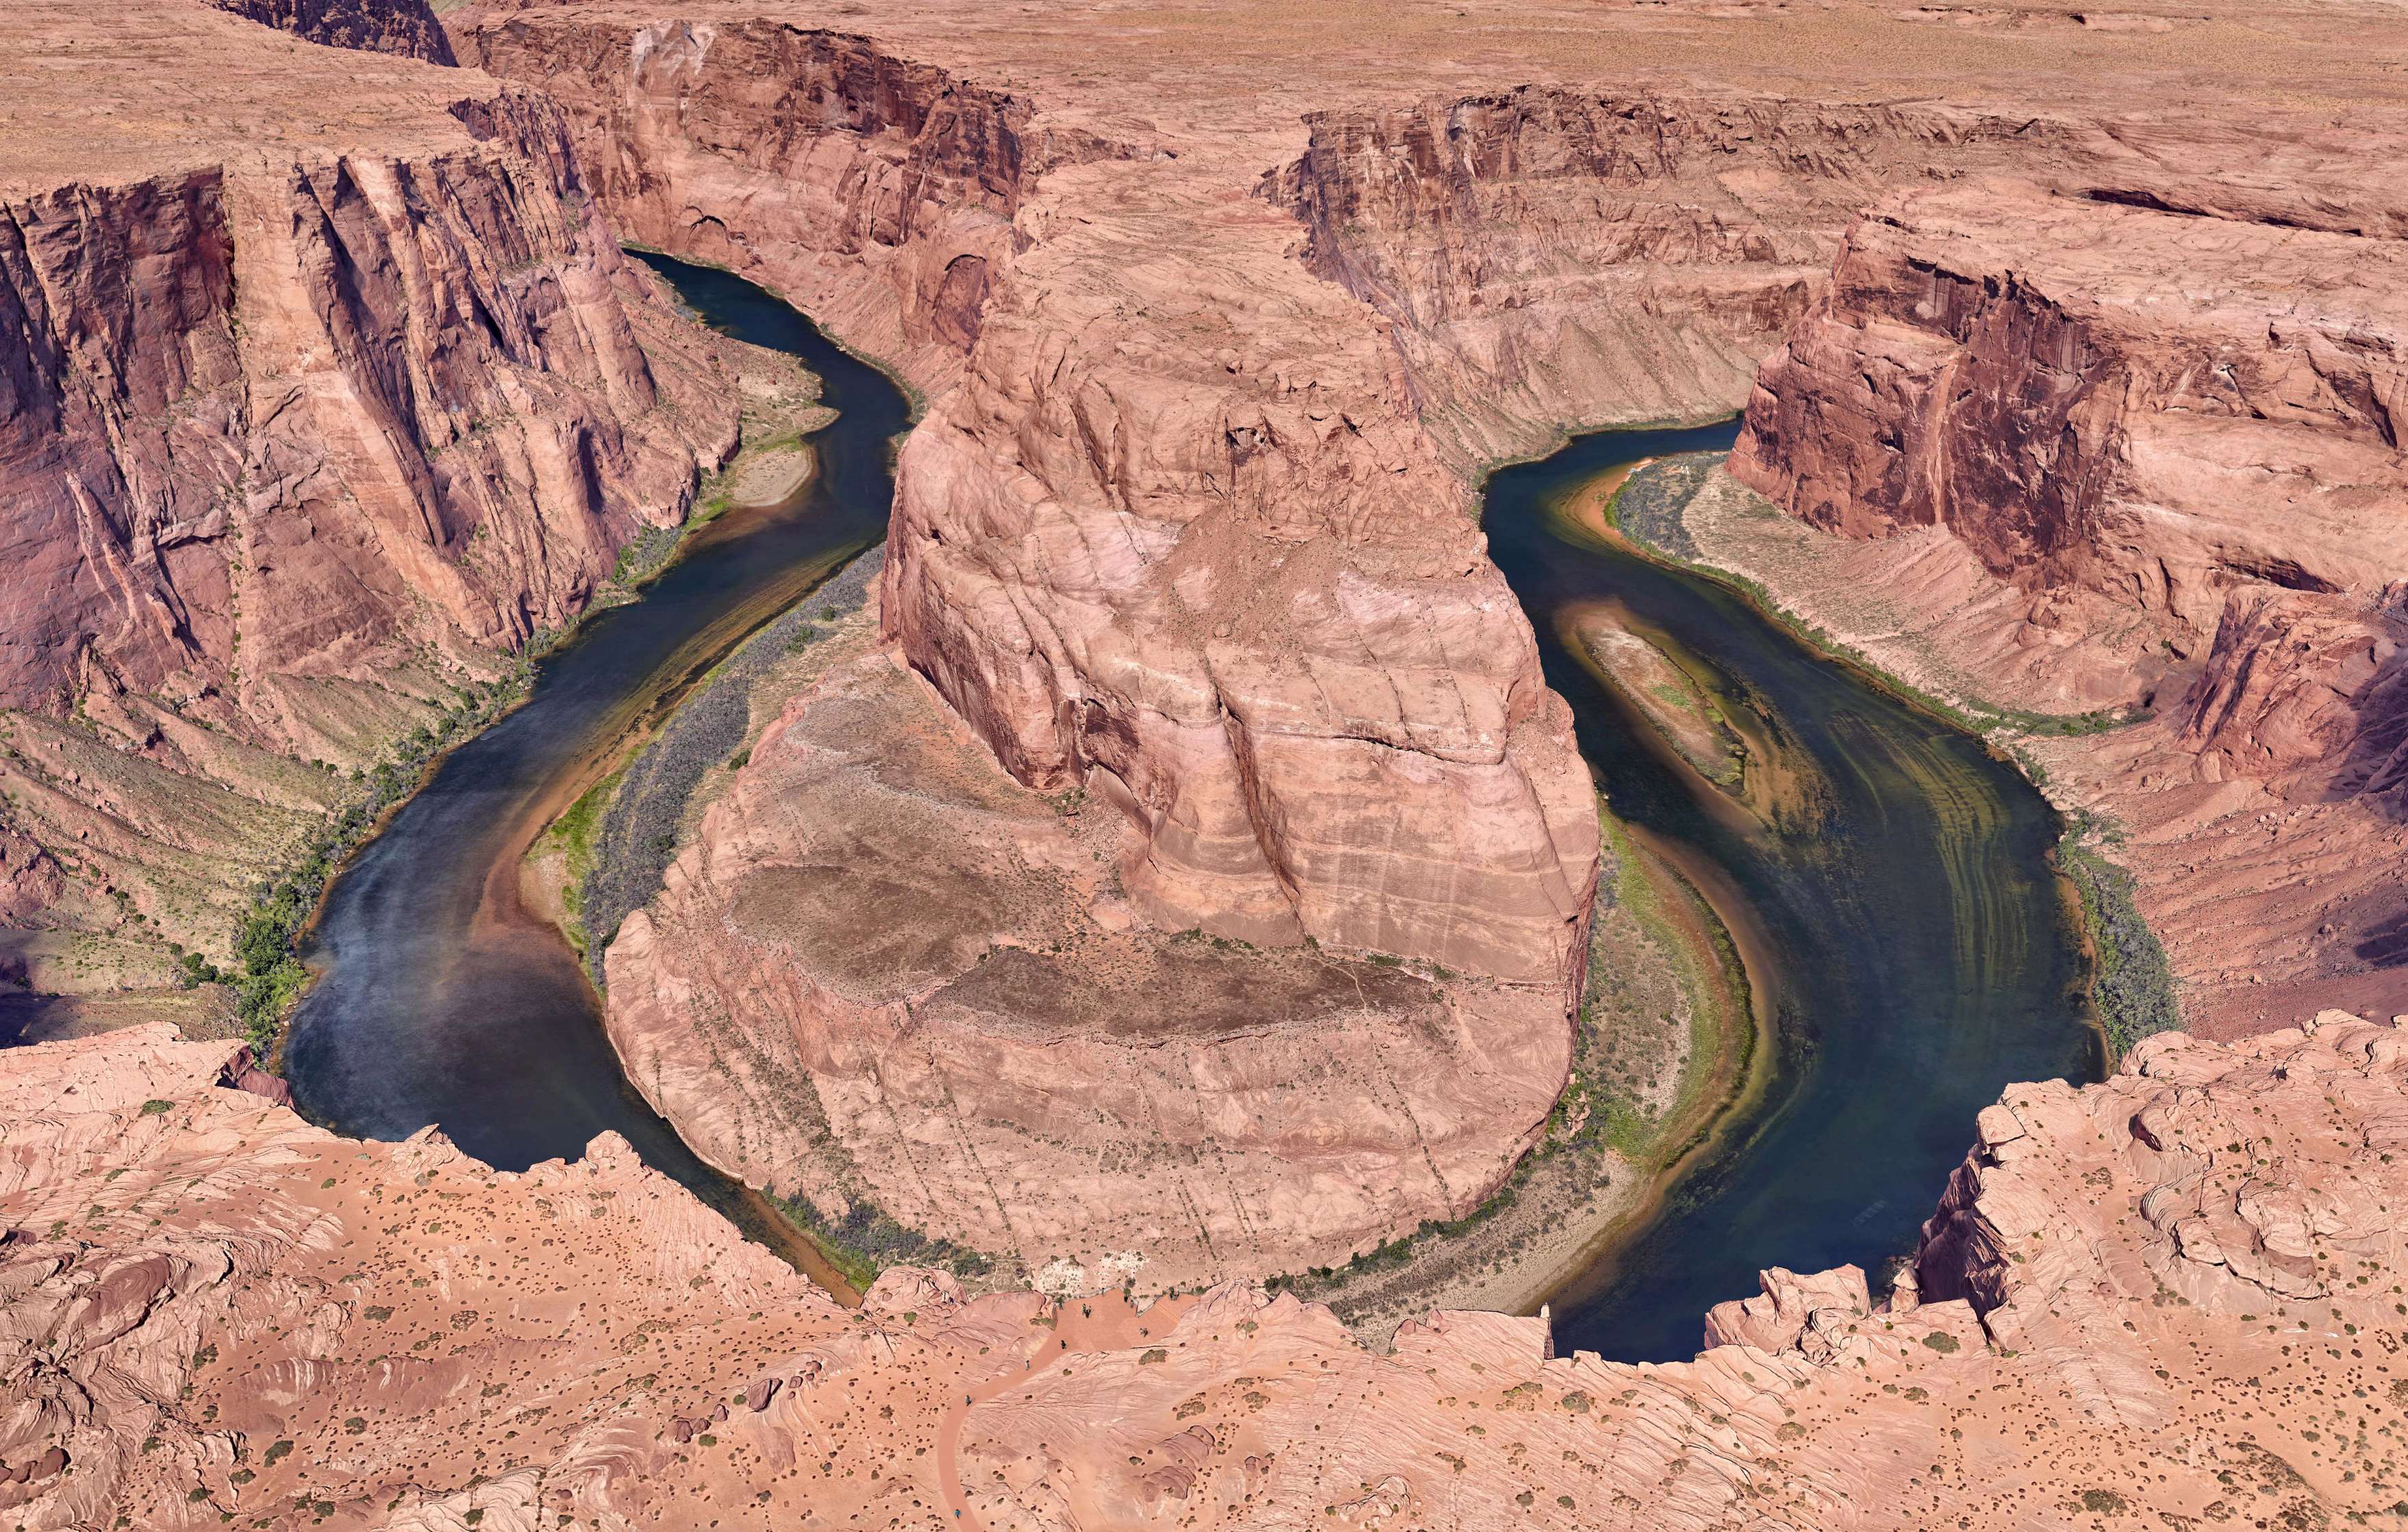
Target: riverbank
(779,403)
(1667,1038)
(1688,510)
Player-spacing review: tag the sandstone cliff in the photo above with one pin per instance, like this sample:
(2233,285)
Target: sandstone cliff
(1205,565)
(1172,544)
(408,27)
(2174,1295)
(2166,423)
(303,428)
(1211,345)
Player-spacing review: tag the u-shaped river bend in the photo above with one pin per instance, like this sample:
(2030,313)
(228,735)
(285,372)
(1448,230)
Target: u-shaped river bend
(1902,900)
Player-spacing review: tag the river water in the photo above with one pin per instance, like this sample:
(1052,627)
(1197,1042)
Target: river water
(1896,886)
(1899,893)
(439,998)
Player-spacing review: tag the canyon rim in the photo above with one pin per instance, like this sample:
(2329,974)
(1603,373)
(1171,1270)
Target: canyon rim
(1166,869)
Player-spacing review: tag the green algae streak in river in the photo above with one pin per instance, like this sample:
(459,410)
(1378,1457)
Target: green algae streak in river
(1897,877)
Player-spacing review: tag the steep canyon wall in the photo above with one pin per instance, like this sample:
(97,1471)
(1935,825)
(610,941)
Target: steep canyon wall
(299,440)
(2169,423)
(1211,569)
(2143,371)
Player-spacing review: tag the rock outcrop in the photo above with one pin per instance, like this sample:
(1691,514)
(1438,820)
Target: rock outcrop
(2174,1295)
(305,420)
(887,978)
(407,28)
(1211,571)
(2169,422)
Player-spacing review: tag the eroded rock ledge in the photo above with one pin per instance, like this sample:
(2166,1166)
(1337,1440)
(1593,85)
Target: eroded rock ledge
(310,414)
(2165,428)
(2176,1292)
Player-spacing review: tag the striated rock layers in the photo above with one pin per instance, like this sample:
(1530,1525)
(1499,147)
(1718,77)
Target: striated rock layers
(1213,344)
(408,27)
(2170,419)
(884,976)
(2173,1296)
(1172,543)
(304,419)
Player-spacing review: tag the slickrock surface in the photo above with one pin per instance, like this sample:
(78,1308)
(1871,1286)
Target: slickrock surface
(885,972)
(2175,1295)
(408,27)
(324,383)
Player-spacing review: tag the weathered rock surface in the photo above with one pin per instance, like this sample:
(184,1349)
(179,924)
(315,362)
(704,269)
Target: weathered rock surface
(886,976)
(305,418)
(2173,1295)
(1203,560)
(1213,344)
(408,27)
(2166,432)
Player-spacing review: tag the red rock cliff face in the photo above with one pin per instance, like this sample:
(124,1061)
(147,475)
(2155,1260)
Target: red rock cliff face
(407,28)
(293,441)
(1214,572)
(338,390)
(2195,416)
(876,191)
(2049,386)
(1550,257)
(2169,417)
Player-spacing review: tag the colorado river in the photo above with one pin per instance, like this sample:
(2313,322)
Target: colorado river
(439,998)
(1898,887)
(1894,886)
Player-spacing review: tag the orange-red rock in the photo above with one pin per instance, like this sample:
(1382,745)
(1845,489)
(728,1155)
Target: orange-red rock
(326,383)
(883,974)
(2173,1294)
(2169,427)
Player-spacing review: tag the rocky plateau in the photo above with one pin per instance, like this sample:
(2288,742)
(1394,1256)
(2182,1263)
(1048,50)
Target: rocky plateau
(2174,1295)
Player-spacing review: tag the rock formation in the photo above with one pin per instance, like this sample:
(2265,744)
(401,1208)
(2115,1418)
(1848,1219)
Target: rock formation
(408,27)
(2173,1295)
(1211,569)
(2169,422)
(1212,346)
(309,415)
(884,976)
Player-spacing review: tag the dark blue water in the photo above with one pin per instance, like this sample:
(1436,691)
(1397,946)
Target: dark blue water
(439,999)
(1920,948)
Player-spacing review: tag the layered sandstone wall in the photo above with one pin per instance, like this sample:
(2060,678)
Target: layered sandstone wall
(2164,424)
(2174,1292)
(1550,257)
(2144,404)
(874,191)
(407,28)
(299,439)
(1212,570)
